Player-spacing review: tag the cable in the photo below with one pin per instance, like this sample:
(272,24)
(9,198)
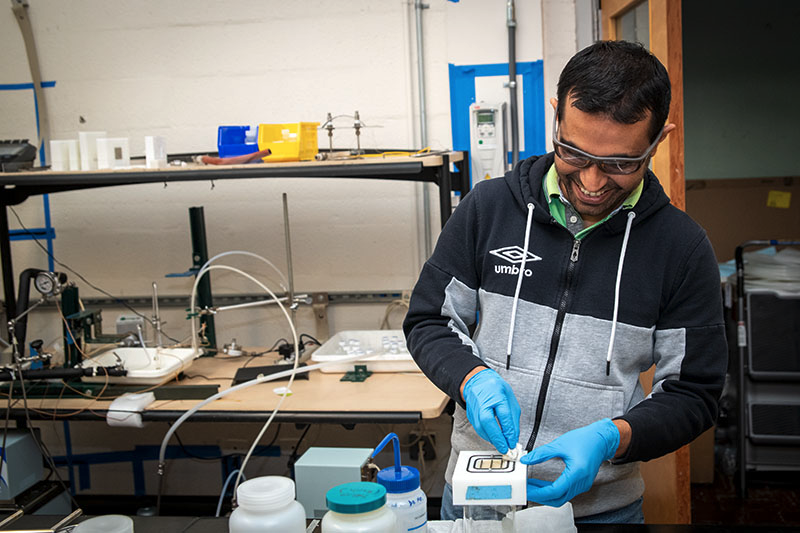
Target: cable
(312,339)
(40,445)
(193,456)
(90,284)
(294,454)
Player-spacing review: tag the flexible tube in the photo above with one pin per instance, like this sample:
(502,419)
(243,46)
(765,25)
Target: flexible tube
(174,427)
(224,488)
(269,263)
(262,379)
(205,268)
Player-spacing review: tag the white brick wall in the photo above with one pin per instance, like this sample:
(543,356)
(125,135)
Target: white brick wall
(181,68)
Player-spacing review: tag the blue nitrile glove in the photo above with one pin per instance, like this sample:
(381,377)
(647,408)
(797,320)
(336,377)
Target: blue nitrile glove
(583,450)
(492,409)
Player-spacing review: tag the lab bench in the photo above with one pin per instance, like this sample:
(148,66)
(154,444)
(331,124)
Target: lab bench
(383,398)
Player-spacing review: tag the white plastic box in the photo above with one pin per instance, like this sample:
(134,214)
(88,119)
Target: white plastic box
(385,351)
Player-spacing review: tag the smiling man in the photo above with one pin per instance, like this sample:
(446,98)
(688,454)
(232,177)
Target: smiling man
(583,276)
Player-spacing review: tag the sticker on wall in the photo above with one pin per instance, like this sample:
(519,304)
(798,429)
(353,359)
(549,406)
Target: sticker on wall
(779,199)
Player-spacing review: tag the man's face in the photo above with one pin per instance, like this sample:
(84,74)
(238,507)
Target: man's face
(593,193)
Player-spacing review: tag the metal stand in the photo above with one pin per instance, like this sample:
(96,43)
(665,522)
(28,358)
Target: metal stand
(199,257)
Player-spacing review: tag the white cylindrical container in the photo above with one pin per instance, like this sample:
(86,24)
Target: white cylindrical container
(267,504)
(358,507)
(405,498)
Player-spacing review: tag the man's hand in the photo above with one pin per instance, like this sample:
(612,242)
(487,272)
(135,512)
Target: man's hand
(582,450)
(492,409)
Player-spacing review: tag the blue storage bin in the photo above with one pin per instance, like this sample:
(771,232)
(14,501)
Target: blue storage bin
(231,141)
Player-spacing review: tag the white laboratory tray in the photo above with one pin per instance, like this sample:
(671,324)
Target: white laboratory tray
(145,366)
(388,347)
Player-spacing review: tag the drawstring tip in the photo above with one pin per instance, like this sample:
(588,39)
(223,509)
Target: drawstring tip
(608,368)
(508,360)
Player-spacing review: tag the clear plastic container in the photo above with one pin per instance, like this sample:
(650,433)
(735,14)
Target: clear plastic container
(267,504)
(405,498)
(489,518)
(358,507)
(110,523)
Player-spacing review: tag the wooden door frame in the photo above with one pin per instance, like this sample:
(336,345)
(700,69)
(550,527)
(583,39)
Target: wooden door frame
(666,43)
(667,496)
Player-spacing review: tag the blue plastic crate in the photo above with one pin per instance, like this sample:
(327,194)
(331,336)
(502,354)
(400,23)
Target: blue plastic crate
(231,141)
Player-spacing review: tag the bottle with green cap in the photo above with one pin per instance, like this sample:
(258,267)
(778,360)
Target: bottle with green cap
(358,507)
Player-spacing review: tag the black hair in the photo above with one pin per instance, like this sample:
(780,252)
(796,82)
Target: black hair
(620,79)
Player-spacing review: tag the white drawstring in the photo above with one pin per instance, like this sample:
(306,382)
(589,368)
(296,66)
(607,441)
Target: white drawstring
(631,216)
(519,284)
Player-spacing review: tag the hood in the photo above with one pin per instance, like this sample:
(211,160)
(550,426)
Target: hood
(525,183)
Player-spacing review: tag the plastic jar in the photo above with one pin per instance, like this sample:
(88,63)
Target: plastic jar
(358,507)
(267,504)
(405,498)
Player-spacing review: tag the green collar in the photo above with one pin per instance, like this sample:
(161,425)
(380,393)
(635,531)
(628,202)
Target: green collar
(553,191)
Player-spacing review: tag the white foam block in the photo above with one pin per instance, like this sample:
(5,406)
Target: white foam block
(59,155)
(155,151)
(88,148)
(113,152)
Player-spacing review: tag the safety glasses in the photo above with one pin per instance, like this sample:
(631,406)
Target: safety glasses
(609,165)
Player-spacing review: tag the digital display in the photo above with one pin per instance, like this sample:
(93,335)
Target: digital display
(485,117)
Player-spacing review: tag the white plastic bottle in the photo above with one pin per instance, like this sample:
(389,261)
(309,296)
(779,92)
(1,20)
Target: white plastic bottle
(405,498)
(267,504)
(358,507)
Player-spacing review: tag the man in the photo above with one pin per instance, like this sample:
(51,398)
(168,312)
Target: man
(579,275)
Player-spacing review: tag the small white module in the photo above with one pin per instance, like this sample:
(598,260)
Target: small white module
(487,478)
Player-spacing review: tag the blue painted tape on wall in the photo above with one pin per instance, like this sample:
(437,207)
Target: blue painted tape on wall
(22,86)
(462,94)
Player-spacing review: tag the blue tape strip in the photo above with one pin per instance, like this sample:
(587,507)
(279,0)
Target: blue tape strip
(23,86)
(31,234)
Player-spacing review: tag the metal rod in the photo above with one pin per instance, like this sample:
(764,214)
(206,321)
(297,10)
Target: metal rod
(69,518)
(423,126)
(289,253)
(512,80)
(300,298)
(12,518)
(156,318)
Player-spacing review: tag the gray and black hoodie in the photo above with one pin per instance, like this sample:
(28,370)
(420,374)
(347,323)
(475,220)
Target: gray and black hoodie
(570,323)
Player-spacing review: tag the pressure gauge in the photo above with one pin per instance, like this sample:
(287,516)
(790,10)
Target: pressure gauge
(47,283)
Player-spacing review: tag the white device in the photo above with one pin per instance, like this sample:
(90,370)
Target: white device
(320,469)
(487,478)
(487,145)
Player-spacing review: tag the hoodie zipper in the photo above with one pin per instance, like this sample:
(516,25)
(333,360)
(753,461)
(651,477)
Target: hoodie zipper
(551,359)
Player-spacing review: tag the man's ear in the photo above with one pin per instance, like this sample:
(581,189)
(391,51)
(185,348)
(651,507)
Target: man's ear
(669,128)
(554,103)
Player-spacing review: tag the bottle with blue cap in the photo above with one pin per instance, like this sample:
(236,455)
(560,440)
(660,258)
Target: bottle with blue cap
(358,507)
(403,493)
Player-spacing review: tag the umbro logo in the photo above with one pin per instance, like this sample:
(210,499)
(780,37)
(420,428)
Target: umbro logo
(514,255)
